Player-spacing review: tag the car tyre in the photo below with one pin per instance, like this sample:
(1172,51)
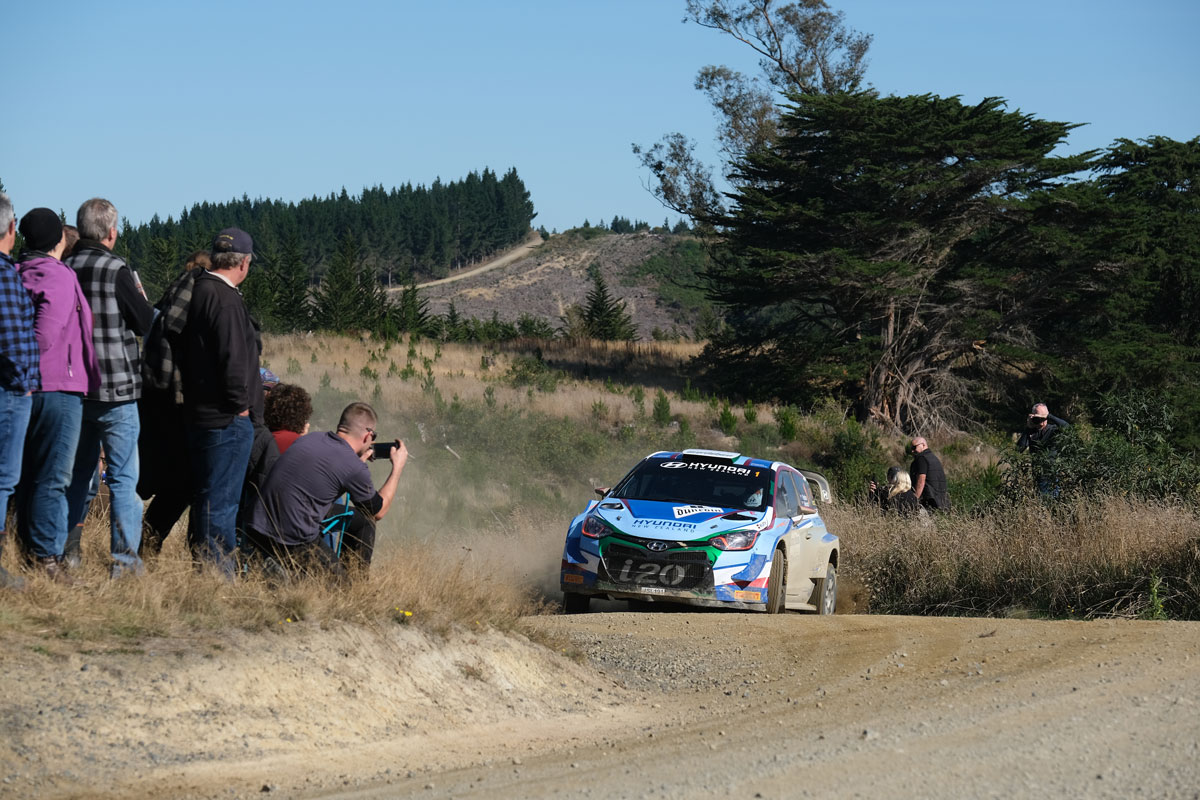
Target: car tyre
(574,603)
(777,583)
(826,591)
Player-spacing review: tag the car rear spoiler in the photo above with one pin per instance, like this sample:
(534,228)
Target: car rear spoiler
(821,491)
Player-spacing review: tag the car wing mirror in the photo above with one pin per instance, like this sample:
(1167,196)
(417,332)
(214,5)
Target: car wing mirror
(603,490)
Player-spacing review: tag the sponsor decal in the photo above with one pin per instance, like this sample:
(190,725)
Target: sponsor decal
(660,523)
(748,596)
(572,579)
(724,469)
(646,573)
(687,511)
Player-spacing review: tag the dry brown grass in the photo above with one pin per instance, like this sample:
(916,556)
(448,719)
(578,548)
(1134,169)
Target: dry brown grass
(436,585)
(1111,557)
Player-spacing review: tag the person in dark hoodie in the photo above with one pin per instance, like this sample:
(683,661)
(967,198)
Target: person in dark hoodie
(120,314)
(63,326)
(222,397)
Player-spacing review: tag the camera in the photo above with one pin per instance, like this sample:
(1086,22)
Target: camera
(383,450)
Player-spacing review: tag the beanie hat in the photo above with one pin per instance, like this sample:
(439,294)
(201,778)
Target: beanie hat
(42,229)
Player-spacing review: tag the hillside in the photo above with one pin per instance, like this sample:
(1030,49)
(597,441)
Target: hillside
(555,275)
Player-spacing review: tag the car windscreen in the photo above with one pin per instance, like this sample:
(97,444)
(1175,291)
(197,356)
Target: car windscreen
(698,483)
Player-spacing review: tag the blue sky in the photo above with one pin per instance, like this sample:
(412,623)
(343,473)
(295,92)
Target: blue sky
(157,105)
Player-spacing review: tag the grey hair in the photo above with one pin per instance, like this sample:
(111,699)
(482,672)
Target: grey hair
(95,218)
(227,260)
(7,216)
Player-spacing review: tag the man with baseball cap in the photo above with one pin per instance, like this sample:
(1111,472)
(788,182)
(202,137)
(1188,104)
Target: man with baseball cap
(222,396)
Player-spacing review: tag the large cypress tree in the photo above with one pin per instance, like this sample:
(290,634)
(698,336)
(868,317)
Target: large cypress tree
(876,253)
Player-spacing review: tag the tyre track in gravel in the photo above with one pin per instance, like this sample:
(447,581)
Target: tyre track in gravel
(800,706)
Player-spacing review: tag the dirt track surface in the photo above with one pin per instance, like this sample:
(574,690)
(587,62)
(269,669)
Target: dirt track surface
(672,705)
(520,251)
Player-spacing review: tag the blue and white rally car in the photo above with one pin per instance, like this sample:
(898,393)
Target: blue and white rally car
(709,528)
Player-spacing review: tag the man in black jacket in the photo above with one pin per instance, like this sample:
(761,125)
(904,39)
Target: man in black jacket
(222,396)
(1041,429)
(927,476)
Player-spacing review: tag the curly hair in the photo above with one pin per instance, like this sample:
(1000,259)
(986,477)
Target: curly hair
(287,408)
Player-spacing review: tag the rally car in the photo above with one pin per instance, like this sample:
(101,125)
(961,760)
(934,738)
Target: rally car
(708,528)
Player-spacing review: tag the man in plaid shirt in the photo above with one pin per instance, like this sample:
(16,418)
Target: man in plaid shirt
(120,314)
(19,374)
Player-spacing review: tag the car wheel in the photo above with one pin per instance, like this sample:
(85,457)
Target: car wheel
(576,603)
(776,586)
(826,591)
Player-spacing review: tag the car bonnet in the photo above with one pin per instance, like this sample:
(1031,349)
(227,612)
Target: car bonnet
(658,520)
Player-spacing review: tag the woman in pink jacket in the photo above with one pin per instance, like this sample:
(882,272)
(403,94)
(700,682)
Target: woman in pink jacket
(63,326)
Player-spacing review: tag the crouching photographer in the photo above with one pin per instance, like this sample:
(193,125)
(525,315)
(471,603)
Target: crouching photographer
(285,524)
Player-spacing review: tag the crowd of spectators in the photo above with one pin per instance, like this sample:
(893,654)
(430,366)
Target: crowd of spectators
(172,395)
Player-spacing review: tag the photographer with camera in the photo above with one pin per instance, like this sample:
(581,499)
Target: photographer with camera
(1041,429)
(285,521)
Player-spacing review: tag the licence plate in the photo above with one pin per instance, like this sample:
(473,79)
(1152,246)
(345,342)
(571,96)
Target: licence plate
(651,590)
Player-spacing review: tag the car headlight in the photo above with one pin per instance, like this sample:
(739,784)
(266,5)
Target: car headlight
(593,527)
(734,540)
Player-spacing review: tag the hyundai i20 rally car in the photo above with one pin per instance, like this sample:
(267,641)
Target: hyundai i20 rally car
(708,528)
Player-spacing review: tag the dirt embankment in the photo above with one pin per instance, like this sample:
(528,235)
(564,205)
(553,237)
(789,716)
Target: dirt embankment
(666,705)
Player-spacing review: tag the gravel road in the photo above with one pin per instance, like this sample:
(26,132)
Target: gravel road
(654,705)
(799,706)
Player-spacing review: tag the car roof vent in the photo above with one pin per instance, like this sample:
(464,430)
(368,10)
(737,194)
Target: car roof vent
(722,455)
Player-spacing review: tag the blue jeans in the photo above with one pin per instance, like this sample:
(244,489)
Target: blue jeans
(14,419)
(50,444)
(114,425)
(219,460)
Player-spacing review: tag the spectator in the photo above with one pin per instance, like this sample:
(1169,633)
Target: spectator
(120,314)
(927,476)
(166,467)
(222,396)
(198,260)
(287,411)
(70,239)
(897,495)
(20,375)
(285,522)
(63,326)
(1041,430)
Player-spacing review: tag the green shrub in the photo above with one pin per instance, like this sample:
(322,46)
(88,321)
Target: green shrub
(638,395)
(726,421)
(662,408)
(533,372)
(855,458)
(293,367)
(787,420)
(750,413)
